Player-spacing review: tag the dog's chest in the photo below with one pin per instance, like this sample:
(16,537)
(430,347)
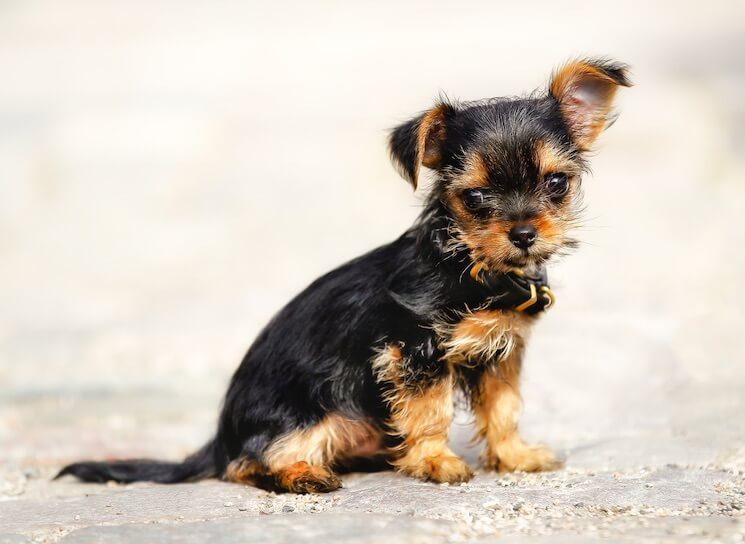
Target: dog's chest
(484,336)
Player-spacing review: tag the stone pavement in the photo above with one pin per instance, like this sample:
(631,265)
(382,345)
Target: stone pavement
(171,172)
(634,505)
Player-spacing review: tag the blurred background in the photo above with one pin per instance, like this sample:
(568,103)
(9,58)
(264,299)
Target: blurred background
(172,172)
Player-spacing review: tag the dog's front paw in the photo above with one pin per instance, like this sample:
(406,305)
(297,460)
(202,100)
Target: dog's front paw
(443,468)
(521,457)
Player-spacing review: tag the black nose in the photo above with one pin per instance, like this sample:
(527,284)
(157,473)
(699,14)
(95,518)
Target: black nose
(522,236)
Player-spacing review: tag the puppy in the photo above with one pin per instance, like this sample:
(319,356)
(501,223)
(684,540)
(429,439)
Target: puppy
(364,362)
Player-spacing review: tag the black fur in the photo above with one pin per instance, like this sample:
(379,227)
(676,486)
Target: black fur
(314,357)
(201,464)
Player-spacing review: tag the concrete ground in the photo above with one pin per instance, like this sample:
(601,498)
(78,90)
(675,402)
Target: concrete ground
(172,172)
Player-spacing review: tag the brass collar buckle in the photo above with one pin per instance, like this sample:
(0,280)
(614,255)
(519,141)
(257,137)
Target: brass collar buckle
(536,289)
(545,293)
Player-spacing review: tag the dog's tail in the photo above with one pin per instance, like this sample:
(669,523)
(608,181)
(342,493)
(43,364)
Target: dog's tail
(202,464)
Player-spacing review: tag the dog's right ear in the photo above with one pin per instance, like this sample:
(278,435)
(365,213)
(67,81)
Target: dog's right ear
(419,142)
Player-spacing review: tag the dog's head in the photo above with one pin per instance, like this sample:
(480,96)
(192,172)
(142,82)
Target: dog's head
(509,169)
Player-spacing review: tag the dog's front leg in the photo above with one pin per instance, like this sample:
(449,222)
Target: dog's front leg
(419,395)
(496,403)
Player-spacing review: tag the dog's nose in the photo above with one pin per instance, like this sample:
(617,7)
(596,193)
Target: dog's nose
(522,236)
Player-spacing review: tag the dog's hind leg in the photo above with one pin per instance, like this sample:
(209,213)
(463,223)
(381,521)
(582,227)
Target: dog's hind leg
(301,461)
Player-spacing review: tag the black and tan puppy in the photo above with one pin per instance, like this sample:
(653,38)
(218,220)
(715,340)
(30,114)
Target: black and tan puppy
(366,360)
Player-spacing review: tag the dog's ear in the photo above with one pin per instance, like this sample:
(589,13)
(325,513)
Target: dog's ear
(585,91)
(419,142)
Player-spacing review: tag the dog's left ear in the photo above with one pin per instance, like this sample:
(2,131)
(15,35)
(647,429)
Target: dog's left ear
(419,142)
(585,91)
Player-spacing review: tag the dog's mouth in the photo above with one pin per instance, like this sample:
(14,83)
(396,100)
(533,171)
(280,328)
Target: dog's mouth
(518,262)
(526,258)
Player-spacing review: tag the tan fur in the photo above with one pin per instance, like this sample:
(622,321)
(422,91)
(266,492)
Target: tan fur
(422,420)
(475,175)
(302,477)
(550,159)
(488,241)
(299,461)
(332,439)
(431,135)
(552,225)
(387,366)
(549,228)
(496,404)
(586,121)
(244,471)
(484,336)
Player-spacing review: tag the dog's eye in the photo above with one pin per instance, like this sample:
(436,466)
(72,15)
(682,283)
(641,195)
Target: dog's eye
(557,184)
(473,198)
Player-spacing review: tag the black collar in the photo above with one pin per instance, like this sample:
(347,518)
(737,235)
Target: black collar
(516,290)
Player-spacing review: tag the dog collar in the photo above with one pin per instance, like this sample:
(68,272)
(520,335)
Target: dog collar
(515,290)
